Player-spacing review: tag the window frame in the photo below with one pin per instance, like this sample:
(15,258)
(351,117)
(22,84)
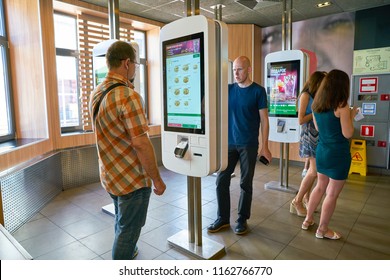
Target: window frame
(7,78)
(86,22)
(144,62)
(74,54)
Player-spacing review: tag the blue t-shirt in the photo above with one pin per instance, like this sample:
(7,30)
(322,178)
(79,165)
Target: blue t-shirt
(244,118)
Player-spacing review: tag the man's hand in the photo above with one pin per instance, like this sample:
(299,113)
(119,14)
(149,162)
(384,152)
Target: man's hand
(159,187)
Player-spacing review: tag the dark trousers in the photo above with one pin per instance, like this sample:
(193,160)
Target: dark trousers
(247,157)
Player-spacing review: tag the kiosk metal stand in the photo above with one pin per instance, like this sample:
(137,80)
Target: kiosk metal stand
(280,186)
(191,241)
(273,185)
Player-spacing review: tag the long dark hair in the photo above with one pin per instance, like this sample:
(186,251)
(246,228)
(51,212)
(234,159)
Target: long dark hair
(312,84)
(333,92)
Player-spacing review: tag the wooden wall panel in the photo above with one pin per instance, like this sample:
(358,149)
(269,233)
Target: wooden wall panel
(27,75)
(49,66)
(26,153)
(28,81)
(257,69)
(245,39)
(240,41)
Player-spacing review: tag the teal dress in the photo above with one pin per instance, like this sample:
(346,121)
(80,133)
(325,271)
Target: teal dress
(333,156)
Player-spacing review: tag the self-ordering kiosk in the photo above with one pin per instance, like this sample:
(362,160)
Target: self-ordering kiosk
(285,74)
(194,96)
(194,113)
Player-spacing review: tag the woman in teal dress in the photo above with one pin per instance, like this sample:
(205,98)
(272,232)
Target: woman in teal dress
(333,119)
(308,141)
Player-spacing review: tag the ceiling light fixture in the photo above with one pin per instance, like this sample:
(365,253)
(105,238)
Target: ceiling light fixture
(325,4)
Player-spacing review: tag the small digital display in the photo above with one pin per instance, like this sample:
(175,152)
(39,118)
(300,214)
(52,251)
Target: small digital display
(283,88)
(183,70)
(100,69)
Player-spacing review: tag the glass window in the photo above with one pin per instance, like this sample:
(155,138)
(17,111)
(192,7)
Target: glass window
(74,69)
(7,131)
(140,38)
(65,25)
(67,72)
(67,91)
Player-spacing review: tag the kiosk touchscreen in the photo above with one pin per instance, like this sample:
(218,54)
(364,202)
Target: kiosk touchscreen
(285,75)
(183,62)
(194,96)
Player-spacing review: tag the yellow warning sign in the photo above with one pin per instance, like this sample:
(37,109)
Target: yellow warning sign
(359,157)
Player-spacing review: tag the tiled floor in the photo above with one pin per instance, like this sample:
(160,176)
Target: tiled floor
(73,225)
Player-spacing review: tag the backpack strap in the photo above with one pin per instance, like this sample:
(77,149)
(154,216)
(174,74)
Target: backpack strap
(95,112)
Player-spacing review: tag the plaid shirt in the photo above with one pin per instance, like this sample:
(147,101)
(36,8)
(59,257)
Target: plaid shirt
(120,118)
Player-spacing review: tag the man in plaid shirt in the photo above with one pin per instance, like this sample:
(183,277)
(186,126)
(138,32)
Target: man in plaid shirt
(126,156)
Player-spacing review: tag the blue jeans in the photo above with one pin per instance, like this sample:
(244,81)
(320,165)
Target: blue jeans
(247,157)
(130,217)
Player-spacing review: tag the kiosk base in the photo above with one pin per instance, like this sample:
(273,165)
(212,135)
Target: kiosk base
(109,209)
(209,250)
(274,185)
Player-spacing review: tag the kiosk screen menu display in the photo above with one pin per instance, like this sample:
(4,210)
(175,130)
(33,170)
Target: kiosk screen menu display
(283,87)
(100,69)
(183,75)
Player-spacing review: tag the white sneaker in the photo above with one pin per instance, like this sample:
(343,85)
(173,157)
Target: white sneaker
(304,171)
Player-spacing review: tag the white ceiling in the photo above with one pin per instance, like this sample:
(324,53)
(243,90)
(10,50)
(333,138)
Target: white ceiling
(264,13)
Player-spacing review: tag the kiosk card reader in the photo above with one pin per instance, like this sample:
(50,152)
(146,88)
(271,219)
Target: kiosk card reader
(281,124)
(181,148)
(194,96)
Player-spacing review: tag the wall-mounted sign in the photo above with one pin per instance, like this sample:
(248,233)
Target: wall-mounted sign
(368,85)
(371,61)
(369,109)
(367,130)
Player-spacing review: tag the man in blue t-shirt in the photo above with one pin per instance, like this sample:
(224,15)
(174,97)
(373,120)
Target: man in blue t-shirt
(248,113)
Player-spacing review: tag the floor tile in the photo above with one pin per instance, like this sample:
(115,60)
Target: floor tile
(72,251)
(257,248)
(73,225)
(292,253)
(86,227)
(355,252)
(100,242)
(34,228)
(47,242)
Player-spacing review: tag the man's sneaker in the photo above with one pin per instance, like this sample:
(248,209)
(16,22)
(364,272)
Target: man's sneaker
(217,226)
(241,228)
